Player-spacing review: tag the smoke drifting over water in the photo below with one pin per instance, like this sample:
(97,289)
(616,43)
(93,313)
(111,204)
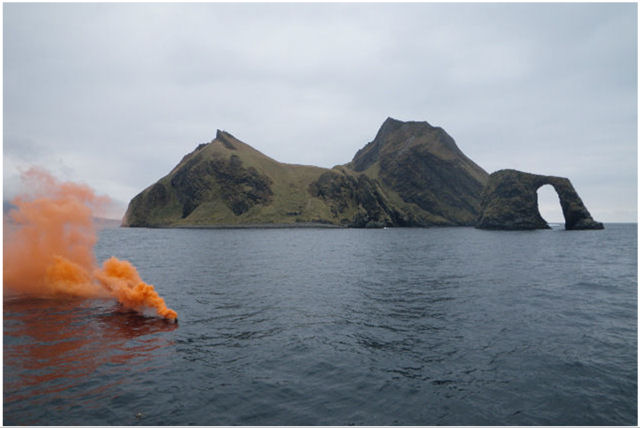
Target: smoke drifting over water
(48,248)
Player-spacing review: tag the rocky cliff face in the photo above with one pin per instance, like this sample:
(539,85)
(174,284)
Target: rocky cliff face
(510,202)
(424,166)
(411,174)
(225,182)
(360,195)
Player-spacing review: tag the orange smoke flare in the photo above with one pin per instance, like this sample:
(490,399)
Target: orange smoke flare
(123,281)
(48,248)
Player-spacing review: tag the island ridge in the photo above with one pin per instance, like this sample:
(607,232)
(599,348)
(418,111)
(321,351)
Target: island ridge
(411,174)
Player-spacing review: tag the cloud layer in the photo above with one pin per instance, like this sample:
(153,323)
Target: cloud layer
(115,94)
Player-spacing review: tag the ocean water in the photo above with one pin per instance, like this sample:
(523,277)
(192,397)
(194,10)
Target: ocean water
(442,326)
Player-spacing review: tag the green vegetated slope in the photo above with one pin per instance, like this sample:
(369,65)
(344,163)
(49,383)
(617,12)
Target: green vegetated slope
(411,174)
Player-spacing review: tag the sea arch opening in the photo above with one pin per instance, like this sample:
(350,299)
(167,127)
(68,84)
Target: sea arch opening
(549,205)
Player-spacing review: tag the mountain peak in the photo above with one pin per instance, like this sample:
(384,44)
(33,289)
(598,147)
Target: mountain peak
(390,121)
(389,126)
(223,134)
(408,128)
(390,133)
(416,179)
(225,138)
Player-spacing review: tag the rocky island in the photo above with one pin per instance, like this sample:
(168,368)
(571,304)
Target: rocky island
(510,201)
(411,174)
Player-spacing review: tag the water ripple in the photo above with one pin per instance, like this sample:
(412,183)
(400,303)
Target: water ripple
(446,326)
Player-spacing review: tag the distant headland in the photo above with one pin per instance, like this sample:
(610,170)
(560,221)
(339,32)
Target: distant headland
(411,174)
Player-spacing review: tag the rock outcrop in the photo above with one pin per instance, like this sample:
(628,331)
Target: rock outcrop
(411,174)
(226,182)
(510,202)
(424,166)
(359,194)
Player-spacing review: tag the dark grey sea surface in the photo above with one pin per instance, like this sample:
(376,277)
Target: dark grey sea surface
(442,326)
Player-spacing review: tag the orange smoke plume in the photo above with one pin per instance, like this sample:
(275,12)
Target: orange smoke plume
(48,248)
(123,281)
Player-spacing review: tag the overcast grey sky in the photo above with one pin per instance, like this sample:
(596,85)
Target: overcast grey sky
(114,95)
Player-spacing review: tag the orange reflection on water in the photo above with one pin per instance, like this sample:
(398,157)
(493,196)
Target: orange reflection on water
(52,346)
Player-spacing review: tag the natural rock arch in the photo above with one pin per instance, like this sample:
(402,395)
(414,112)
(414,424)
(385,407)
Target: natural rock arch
(510,202)
(549,204)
